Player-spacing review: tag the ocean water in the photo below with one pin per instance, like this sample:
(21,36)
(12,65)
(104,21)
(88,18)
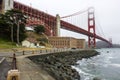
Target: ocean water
(105,66)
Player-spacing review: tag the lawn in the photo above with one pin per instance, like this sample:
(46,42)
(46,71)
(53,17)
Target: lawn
(6,44)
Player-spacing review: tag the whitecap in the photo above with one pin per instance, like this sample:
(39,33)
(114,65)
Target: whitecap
(84,75)
(110,57)
(115,65)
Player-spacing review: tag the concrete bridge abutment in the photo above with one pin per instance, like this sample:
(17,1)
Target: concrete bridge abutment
(6,5)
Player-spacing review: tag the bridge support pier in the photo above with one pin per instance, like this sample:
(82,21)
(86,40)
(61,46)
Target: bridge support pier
(58,25)
(6,5)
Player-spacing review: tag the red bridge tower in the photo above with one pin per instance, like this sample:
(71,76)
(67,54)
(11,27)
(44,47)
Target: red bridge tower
(91,28)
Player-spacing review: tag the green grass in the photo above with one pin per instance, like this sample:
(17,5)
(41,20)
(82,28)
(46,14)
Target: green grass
(6,44)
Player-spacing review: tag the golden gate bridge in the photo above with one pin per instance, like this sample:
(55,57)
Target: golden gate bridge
(54,23)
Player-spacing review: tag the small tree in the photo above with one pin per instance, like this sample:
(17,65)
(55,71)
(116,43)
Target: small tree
(15,18)
(4,28)
(39,29)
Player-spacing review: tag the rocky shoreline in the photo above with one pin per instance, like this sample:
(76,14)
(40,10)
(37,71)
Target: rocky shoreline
(59,64)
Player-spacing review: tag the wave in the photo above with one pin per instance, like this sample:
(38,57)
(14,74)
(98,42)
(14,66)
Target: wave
(84,75)
(115,65)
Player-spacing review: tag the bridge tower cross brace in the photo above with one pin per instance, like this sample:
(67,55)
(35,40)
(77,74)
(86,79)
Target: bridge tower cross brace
(91,28)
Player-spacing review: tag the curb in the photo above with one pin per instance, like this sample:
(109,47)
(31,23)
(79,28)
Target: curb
(2,60)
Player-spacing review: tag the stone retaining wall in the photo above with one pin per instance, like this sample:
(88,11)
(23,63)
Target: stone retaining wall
(59,65)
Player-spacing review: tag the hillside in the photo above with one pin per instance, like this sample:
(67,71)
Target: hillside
(40,38)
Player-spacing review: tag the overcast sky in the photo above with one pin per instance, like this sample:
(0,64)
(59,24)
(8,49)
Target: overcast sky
(107,11)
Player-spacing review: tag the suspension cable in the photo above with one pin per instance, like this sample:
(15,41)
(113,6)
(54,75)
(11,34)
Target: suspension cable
(74,14)
(100,27)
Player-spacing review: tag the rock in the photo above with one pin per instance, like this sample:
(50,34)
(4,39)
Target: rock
(96,78)
(59,65)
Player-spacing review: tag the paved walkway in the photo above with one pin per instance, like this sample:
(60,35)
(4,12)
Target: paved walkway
(4,67)
(30,71)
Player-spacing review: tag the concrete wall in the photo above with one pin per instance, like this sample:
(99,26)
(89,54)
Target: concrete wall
(81,43)
(1,6)
(60,42)
(73,43)
(66,42)
(6,5)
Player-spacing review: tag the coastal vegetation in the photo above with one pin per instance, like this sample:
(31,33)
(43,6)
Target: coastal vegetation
(12,29)
(39,29)
(6,44)
(12,26)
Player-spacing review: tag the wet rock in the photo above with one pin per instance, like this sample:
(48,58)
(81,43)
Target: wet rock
(96,78)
